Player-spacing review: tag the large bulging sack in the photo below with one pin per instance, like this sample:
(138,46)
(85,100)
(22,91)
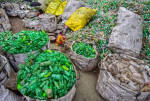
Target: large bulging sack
(68,97)
(80,18)
(82,62)
(47,23)
(23,13)
(32,14)
(62,88)
(7,95)
(11,9)
(29,23)
(126,36)
(61,8)
(5,70)
(70,8)
(123,78)
(4,21)
(53,6)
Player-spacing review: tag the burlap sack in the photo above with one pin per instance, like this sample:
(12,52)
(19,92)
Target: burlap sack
(111,89)
(5,69)
(4,21)
(126,36)
(16,59)
(84,64)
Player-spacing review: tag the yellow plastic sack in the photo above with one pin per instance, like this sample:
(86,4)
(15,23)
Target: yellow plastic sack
(80,18)
(53,6)
(61,8)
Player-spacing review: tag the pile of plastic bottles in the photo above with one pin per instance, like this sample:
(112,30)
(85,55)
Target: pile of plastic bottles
(23,42)
(84,49)
(100,27)
(46,75)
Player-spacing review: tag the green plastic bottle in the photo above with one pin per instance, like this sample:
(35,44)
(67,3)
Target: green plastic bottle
(38,91)
(56,76)
(23,90)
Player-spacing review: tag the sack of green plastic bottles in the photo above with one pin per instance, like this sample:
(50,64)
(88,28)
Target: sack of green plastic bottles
(84,55)
(18,45)
(80,18)
(47,75)
(56,7)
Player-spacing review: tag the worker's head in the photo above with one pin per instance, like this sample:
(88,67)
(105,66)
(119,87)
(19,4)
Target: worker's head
(61,33)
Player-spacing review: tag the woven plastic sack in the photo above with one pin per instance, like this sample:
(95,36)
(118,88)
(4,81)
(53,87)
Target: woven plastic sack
(127,34)
(84,64)
(111,88)
(61,8)
(47,22)
(53,6)
(29,23)
(80,18)
(5,24)
(12,9)
(68,97)
(5,70)
(7,95)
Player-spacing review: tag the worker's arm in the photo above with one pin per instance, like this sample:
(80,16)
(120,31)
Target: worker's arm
(61,38)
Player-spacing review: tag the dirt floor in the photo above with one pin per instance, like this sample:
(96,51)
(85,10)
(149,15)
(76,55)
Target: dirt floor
(87,81)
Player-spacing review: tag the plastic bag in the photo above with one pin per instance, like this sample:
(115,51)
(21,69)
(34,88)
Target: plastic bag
(61,8)
(53,6)
(80,18)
